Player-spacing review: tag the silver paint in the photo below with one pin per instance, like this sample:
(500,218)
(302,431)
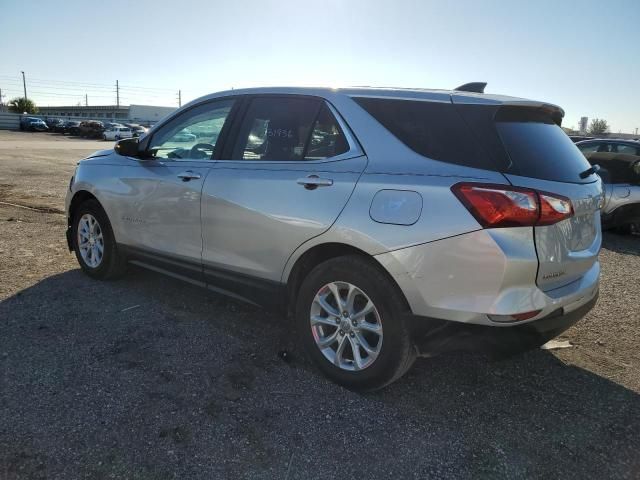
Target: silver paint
(254,217)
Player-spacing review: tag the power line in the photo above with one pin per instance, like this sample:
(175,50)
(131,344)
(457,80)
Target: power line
(83,84)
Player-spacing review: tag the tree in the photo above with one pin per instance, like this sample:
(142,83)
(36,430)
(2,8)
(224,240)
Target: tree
(599,126)
(22,105)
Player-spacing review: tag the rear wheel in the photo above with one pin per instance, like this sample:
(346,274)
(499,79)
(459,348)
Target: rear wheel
(94,243)
(352,324)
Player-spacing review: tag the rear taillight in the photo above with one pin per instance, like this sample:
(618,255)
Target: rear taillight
(553,208)
(496,206)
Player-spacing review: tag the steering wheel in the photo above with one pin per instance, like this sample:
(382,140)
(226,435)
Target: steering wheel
(198,150)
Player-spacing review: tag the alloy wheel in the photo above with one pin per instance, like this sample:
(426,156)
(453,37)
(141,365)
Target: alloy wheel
(346,326)
(90,240)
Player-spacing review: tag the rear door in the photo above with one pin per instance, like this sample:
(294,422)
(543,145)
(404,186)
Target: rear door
(542,157)
(288,169)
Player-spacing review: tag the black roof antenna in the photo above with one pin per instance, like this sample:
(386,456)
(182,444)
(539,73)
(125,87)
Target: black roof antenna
(475,87)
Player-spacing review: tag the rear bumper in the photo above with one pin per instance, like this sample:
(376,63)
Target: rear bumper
(434,336)
(476,277)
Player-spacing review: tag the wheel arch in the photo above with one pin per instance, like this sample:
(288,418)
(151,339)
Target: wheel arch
(321,253)
(78,199)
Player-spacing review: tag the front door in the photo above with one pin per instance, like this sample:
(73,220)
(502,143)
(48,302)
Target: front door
(160,221)
(283,180)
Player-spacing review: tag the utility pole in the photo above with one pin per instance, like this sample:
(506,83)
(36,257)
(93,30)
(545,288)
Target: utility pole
(117,94)
(179,98)
(24,84)
(86,100)
(1,104)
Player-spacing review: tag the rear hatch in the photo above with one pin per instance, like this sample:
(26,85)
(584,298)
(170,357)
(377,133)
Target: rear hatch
(532,151)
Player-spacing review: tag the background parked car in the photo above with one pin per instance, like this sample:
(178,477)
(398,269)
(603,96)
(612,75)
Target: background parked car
(34,125)
(184,136)
(579,138)
(59,126)
(52,123)
(116,133)
(137,130)
(620,173)
(609,145)
(72,127)
(91,129)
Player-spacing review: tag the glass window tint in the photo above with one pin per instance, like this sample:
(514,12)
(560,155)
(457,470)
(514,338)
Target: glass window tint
(627,149)
(192,135)
(589,148)
(433,129)
(527,141)
(542,150)
(276,128)
(327,139)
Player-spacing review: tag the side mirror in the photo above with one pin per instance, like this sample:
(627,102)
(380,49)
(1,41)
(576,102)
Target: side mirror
(127,147)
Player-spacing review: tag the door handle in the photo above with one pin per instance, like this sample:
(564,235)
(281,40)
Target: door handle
(312,182)
(188,175)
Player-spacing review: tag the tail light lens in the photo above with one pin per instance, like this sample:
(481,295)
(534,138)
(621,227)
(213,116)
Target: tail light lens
(495,206)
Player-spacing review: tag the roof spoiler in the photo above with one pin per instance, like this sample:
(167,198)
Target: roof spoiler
(475,87)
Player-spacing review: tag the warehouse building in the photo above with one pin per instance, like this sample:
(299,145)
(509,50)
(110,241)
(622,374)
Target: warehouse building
(145,114)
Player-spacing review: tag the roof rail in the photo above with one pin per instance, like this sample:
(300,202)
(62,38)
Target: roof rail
(475,87)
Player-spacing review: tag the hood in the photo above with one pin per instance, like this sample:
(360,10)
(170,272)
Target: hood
(100,153)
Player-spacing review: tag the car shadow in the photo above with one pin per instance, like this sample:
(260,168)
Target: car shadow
(150,377)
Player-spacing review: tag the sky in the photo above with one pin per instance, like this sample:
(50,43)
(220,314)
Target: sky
(582,55)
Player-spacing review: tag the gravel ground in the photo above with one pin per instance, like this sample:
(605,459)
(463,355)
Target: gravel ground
(151,378)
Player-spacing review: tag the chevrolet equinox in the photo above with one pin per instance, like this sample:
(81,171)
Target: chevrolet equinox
(389,223)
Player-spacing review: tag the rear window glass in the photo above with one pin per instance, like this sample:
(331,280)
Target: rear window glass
(538,147)
(435,130)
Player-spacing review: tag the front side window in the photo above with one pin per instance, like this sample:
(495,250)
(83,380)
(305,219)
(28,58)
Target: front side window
(192,135)
(276,128)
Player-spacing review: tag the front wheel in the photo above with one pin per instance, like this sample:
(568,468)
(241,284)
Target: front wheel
(352,324)
(94,243)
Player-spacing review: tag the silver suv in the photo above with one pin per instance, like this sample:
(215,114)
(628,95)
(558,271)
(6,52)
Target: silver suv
(389,223)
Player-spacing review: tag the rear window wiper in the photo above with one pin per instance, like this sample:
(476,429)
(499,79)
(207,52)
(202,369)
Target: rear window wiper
(590,171)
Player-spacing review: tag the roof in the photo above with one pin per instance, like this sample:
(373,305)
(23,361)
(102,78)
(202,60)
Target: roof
(635,143)
(454,96)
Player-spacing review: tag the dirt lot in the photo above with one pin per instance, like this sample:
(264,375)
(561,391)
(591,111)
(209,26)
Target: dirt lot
(151,378)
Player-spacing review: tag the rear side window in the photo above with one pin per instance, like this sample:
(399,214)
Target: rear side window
(276,128)
(433,129)
(627,149)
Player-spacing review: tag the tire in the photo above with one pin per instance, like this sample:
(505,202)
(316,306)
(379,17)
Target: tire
(396,351)
(104,138)
(111,263)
